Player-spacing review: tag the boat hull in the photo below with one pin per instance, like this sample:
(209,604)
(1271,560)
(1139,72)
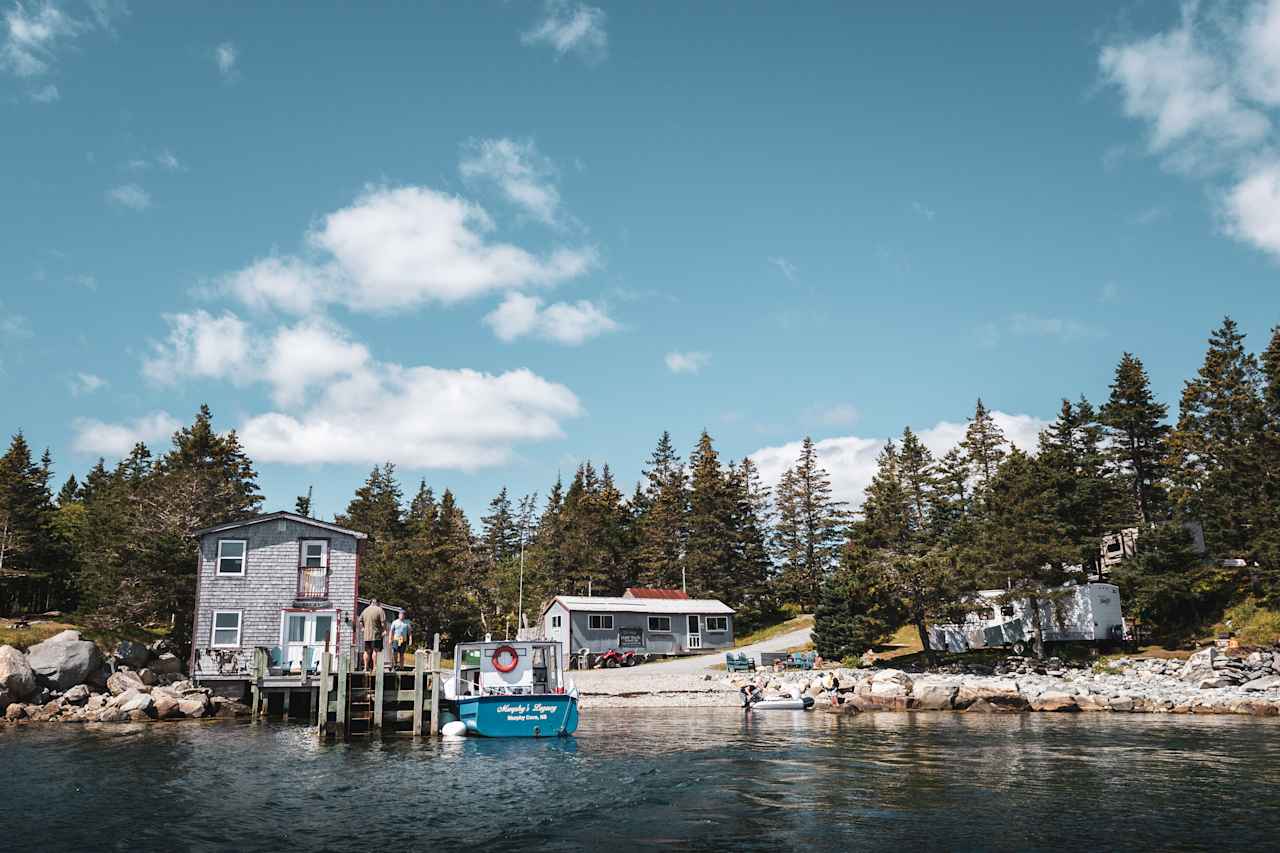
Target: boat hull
(802,704)
(519,716)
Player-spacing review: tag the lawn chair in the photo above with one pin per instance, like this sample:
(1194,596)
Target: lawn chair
(739,663)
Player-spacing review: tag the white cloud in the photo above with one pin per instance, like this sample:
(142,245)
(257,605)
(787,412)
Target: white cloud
(398,248)
(419,417)
(686,362)
(787,268)
(1208,88)
(86,383)
(569,323)
(106,439)
(131,196)
(308,353)
(569,27)
(46,94)
(166,160)
(225,56)
(851,460)
(200,345)
(13,325)
(524,176)
(1023,325)
(923,210)
(32,34)
(841,414)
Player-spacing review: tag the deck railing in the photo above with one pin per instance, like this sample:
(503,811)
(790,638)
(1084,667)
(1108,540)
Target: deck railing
(313,584)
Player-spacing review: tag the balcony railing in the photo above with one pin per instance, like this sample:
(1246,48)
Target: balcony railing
(313,584)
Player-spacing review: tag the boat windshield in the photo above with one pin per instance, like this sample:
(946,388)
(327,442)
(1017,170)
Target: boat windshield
(481,669)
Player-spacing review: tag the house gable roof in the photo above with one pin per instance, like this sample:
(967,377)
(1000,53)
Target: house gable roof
(287,516)
(643,592)
(620,604)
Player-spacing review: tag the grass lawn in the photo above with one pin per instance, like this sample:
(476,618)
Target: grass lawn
(41,630)
(768,632)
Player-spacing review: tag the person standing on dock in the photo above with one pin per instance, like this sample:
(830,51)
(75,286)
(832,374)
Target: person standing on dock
(373,622)
(401,639)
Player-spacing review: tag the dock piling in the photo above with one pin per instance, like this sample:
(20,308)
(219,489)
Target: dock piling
(344,687)
(322,698)
(378,683)
(435,686)
(419,670)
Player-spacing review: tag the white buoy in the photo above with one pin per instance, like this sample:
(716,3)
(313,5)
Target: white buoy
(454,729)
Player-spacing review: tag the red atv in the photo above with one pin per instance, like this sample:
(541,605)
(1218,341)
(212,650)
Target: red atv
(614,658)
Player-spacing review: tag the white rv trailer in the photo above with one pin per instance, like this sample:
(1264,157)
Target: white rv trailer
(1076,613)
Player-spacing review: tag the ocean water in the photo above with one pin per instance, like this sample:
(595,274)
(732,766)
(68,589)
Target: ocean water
(695,779)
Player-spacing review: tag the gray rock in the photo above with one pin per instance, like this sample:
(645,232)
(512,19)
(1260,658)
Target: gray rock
(167,663)
(1121,703)
(1267,682)
(78,695)
(1053,700)
(933,697)
(63,661)
(1200,665)
(1214,682)
(148,676)
(166,706)
(17,680)
(123,681)
(140,702)
(131,654)
(14,712)
(192,708)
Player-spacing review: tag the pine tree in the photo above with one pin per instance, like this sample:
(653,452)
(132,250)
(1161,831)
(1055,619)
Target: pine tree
(810,528)
(751,592)
(1166,586)
(916,468)
(1216,451)
(1072,459)
(855,610)
(886,506)
(1135,425)
(710,555)
(951,501)
(983,446)
(662,527)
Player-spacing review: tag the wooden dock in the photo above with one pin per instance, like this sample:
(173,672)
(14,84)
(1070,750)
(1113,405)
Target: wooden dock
(344,702)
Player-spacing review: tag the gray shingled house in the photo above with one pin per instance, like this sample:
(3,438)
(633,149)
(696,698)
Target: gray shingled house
(280,581)
(652,621)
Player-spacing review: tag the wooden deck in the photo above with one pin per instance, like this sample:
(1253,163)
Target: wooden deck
(342,702)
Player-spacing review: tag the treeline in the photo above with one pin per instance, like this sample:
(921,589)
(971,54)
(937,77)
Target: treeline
(932,529)
(985,515)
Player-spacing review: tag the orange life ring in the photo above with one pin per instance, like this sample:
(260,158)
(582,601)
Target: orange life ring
(505,650)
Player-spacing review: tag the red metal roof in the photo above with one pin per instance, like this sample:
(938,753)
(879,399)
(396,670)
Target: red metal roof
(640,592)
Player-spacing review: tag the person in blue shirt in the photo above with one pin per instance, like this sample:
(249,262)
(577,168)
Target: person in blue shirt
(401,637)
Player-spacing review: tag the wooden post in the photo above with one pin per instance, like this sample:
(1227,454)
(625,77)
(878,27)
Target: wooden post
(322,697)
(419,669)
(344,686)
(376,723)
(435,686)
(259,671)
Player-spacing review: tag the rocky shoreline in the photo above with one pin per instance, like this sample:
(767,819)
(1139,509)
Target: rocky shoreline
(68,679)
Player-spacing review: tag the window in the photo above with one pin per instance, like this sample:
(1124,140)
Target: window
(1007,610)
(295,628)
(555,621)
(226,629)
(660,624)
(600,621)
(315,553)
(716,623)
(231,556)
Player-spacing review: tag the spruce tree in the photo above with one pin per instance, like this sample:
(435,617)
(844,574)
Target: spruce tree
(1138,435)
(856,611)
(751,592)
(984,446)
(710,552)
(662,527)
(1072,459)
(1216,448)
(810,529)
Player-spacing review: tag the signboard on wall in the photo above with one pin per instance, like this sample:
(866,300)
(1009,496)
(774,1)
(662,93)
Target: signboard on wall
(630,638)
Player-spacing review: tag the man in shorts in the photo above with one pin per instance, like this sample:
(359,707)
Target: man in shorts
(373,625)
(401,639)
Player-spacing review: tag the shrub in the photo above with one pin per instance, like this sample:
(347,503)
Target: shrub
(1252,624)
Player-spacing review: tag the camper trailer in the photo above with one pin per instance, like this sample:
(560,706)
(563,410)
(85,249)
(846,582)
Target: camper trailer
(1084,613)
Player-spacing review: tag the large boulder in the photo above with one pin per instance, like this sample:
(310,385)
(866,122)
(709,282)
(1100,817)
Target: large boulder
(131,654)
(166,705)
(985,706)
(1267,682)
(1200,665)
(125,680)
(140,702)
(890,682)
(1054,700)
(933,697)
(167,663)
(15,712)
(78,695)
(1002,692)
(17,680)
(63,661)
(192,708)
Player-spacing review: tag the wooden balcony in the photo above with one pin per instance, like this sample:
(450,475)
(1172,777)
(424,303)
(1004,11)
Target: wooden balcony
(313,584)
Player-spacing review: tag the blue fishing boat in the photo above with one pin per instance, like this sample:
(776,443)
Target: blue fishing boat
(509,689)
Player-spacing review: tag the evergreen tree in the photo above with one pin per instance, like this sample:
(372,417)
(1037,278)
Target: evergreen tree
(662,526)
(751,592)
(1073,461)
(950,501)
(886,507)
(984,446)
(1167,586)
(810,528)
(1135,425)
(855,611)
(1216,449)
(302,504)
(712,543)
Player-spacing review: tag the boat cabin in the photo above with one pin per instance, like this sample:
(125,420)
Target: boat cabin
(506,668)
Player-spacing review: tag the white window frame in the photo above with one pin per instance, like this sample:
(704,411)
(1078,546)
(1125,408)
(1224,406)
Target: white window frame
(653,630)
(214,629)
(592,617)
(555,621)
(708,621)
(324,554)
(244,559)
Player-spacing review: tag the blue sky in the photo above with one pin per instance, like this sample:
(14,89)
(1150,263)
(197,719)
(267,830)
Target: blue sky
(488,240)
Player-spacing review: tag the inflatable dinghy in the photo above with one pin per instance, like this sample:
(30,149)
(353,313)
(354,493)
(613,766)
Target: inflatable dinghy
(753,699)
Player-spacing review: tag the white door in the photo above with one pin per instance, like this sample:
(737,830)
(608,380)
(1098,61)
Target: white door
(695,632)
(303,632)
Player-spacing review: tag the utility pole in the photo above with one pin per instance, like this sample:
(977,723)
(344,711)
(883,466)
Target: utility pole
(520,600)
